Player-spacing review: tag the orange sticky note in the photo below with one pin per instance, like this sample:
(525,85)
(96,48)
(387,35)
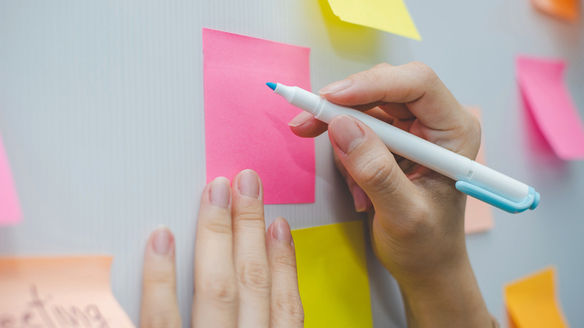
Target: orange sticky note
(532,302)
(58,292)
(478,216)
(568,10)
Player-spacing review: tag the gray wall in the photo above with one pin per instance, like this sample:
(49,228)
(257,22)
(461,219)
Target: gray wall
(101,111)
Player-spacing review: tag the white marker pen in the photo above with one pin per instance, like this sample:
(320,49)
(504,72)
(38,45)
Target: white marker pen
(472,178)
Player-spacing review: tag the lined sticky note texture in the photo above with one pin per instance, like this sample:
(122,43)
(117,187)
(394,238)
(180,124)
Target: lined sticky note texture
(549,100)
(59,292)
(10,212)
(246,124)
(532,302)
(478,216)
(332,275)
(568,10)
(386,15)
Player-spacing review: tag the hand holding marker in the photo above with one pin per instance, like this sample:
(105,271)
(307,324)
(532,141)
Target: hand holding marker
(472,178)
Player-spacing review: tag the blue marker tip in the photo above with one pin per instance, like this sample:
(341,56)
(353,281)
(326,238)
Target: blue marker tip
(272,85)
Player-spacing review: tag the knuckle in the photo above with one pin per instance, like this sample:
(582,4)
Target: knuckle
(159,278)
(474,132)
(285,263)
(218,226)
(426,73)
(220,289)
(378,174)
(382,66)
(255,275)
(249,219)
(166,319)
(289,307)
(417,225)
(250,214)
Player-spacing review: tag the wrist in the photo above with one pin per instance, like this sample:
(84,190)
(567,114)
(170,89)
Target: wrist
(450,298)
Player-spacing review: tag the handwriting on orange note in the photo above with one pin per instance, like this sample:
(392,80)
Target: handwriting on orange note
(41,310)
(58,292)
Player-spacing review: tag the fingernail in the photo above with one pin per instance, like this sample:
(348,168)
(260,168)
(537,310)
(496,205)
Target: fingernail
(346,133)
(360,198)
(336,87)
(249,184)
(161,240)
(220,192)
(282,231)
(302,118)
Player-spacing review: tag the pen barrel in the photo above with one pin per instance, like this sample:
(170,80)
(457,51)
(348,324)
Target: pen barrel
(421,151)
(404,143)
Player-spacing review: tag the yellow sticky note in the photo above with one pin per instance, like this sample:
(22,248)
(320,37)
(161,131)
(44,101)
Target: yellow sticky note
(386,15)
(478,216)
(332,276)
(58,292)
(532,303)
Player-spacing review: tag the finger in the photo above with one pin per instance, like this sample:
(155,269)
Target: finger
(250,257)
(307,126)
(360,198)
(159,308)
(371,164)
(381,115)
(286,307)
(415,84)
(396,110)
(216,299)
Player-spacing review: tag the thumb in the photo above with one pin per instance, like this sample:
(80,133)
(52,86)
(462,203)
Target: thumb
(371,165)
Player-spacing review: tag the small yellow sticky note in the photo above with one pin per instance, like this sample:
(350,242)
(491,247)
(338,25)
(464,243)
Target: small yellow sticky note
(386,15)
(332,276)
(531,301)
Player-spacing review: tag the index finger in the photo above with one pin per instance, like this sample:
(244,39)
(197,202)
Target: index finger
(414,84)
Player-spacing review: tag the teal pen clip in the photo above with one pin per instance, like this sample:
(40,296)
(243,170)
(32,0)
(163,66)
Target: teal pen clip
(529,202)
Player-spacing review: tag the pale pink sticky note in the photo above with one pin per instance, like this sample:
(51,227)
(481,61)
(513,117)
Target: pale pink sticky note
(59,292)
(246,124)
(10,212)
(549,100)
(479,215)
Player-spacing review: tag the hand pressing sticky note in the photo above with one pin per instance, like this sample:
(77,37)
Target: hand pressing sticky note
(547,97)
(568,10)
(246,125)
(478,216)
(332,275)
(10,212)
(532,301)
(386,15)
(58,292)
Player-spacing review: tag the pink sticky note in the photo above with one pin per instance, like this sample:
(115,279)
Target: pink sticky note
(246,124)
(549,100)
(478,216)
(10,212)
